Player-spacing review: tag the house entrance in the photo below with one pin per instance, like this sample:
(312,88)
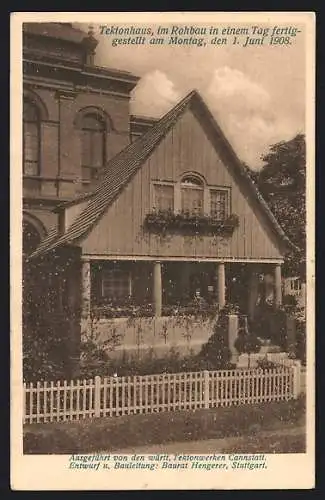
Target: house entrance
(237,286)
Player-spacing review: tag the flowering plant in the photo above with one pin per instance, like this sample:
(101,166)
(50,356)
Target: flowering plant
(166,220)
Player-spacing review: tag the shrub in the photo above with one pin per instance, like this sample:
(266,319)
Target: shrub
(150,364)
(45,352)
(247,342)
(289,301)
(301,341)
(215,354)
(270,323)
(265,364)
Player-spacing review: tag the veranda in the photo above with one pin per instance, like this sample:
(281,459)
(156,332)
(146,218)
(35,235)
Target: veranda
(162,304)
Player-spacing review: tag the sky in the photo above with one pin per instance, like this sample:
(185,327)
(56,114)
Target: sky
(256,94)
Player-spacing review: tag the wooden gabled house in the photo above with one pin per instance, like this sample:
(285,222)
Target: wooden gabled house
(175,223)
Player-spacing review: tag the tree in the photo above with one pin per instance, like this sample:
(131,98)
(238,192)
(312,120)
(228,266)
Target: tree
(282,182)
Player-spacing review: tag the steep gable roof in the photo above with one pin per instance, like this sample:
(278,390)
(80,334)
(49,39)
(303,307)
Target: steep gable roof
(121,169)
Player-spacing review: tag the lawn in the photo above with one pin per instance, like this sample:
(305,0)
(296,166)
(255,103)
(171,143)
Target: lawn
(112,433)
(285,440)
(275,442)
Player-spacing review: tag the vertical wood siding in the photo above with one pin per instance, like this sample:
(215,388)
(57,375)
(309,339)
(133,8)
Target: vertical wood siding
(187,147)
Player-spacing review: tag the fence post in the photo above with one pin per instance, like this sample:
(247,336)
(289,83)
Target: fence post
(24,403)
(97,396)
(206,388)
(296,370)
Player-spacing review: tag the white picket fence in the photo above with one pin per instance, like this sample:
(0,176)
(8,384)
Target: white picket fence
(116,396)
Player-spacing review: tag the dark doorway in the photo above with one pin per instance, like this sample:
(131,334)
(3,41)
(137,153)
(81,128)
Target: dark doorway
(237,286)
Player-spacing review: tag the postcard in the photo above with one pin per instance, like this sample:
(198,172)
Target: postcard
(162,251)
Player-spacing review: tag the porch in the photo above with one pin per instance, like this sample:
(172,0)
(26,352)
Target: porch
(124,288)
(159,305)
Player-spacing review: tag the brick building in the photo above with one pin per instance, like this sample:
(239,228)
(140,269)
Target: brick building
(76,117)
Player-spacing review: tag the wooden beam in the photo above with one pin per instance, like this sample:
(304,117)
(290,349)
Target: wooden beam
(277,286)
(253,292)
(157,289)
(171,258)
(85,289)
(221,285)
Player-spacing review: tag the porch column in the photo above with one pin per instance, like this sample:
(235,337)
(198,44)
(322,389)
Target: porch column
(277,286)
(85,295)
(253,292)
(221,284)
(157,289)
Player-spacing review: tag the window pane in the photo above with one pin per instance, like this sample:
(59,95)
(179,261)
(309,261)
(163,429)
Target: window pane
(192,200)
(30,112)
(85,148)
(31,141)
(93,122)
(164,197)
(92,148)
(219,204)
(31,148)
(116,284)
(191,180)
(97,149)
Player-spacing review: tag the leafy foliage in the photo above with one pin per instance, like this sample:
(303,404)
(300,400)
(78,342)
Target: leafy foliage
(45,356)
(282,182)
(166,220)
(265,364)
(270,323)
(216,353)
(247,342)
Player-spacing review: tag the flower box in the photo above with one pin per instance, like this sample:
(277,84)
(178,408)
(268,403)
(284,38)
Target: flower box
(183,222)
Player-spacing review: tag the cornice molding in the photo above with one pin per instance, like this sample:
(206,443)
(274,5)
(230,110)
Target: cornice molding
(67,95)
(79,78)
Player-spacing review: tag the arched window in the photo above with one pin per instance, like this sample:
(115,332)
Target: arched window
(93,154)
(192,194)
(31,138)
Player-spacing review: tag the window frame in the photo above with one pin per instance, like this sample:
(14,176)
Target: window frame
(155,183)
(91,133)
(153,193)
(199,187)
(127,272)
(37,123)
(207,189)
(221,189)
